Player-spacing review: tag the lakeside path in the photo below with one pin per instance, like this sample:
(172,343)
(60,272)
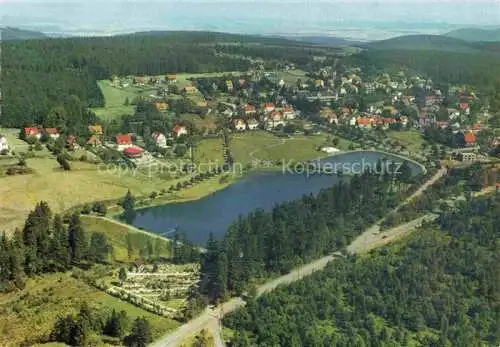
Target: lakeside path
(370,239)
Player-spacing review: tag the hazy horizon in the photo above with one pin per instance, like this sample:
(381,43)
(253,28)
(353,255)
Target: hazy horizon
(365,20)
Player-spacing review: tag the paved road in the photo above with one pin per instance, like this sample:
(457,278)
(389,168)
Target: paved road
(370,239)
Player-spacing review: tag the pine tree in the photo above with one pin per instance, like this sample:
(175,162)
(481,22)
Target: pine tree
(140,335)
(77,240)
(60,244)
(116,325)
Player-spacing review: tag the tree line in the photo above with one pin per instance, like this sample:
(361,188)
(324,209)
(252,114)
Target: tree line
(80,329)
(48,244)
(440,289)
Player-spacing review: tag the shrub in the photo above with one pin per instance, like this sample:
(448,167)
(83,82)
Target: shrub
(86,209)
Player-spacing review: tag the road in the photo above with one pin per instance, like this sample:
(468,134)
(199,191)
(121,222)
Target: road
(367,241)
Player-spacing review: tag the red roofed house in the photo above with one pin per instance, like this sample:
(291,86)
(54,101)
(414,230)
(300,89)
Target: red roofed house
(123,141)
(250,109)
(172,78)
(288,112)
(95,129)
(179,130)
(52,132)
(365,123)
(274,120)
(133,152)
(269,107)
(469,138)
(35,132)
(465,108)
(94,141)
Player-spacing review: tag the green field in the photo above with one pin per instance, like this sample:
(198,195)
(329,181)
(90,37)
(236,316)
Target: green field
(292,76)
(207,123)
(115,99)
(413,140)
(30,314)
(209,151)
(262,145)
(117,236)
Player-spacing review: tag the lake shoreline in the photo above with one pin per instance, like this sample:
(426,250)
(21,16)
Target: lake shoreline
(233,178)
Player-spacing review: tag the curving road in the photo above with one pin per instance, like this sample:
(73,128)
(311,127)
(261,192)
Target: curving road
(370,239)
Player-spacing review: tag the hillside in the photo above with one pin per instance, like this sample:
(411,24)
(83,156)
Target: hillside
(438,288)
(12,34)
(475,34)
(422,42)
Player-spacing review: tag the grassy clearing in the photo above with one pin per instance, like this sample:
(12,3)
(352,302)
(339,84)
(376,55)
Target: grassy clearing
(201,123)
(117,236)
(265,146)
(292,76)
(411,139)
(30,314)
(209,151)
(85,183)
(115,98)
(183,79)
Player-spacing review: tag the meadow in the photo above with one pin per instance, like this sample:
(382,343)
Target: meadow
(29,314)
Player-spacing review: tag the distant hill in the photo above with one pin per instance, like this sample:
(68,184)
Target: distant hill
(423,42)
(475,34)
(11,34)
(323,40)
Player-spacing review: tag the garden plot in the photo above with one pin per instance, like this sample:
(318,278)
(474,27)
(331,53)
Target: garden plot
(161,289)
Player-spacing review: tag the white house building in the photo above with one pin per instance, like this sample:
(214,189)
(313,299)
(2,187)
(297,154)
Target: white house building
(160,139)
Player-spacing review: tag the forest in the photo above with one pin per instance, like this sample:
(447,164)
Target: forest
(440,288)
(40,75)
(47,245)
(264,244)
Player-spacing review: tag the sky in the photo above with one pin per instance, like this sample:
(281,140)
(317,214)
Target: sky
(351,19)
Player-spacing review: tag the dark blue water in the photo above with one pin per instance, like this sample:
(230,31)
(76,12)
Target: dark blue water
(215,212)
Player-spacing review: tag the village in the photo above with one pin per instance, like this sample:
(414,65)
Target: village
(259,100)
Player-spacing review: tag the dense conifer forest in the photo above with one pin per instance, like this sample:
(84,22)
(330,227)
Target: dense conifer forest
(441,288)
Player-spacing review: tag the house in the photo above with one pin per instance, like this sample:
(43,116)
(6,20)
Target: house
(229,86)
(403,120)
(93,141)
(442,124)
(319,83)
(140,81)
(32,132)
(281,83)
(288,112)
(328,114)
(330,150)
(464,107)
(123,141)
(4,145)
(477,127)
(202,103)
(52,132)
(160,139)
(161,106)
(190,89)
(253,124)
(364,123)
(249,110)
(171,79)
(239,124)
(241,83)
(139,265)
(179,130)
(469,138)
(133,152)
(274,120)
(269,107)
(95,129)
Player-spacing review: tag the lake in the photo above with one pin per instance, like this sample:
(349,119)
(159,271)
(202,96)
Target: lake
(258,189)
